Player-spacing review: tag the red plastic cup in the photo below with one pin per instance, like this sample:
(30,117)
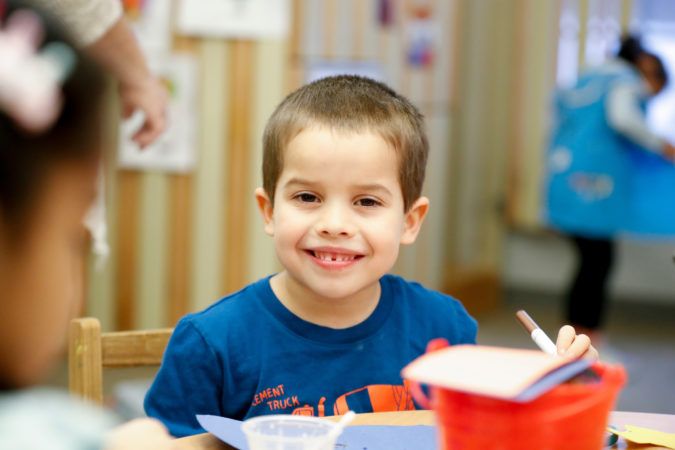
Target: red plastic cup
(570,416)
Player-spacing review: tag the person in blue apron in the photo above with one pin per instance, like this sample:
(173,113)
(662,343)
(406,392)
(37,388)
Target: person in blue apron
(598,123)
(652,180)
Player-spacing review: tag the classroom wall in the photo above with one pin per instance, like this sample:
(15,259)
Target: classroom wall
(181,241)
(173,236)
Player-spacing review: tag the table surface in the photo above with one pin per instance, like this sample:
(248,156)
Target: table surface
(661,422)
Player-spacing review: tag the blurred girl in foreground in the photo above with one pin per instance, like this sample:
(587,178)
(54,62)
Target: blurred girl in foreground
(50,97)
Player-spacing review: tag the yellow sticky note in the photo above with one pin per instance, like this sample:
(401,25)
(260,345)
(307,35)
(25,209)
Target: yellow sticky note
(641,435)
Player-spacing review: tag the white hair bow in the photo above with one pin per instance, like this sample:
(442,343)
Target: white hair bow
(30,78)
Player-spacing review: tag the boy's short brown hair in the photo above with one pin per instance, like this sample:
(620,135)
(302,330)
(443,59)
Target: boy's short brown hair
(350,103)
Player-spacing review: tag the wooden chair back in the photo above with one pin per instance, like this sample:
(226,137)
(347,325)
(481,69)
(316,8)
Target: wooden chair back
(89,351)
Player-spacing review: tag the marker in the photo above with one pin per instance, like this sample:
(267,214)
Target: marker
(547,346)
(536,333)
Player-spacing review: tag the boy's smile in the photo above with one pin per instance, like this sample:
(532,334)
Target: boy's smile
(334,257)
(337,222)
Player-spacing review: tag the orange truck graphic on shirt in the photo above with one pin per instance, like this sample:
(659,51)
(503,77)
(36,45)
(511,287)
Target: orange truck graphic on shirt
(382,398)
(308,410)
(375,398)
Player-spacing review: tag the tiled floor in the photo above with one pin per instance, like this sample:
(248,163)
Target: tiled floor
(639,336)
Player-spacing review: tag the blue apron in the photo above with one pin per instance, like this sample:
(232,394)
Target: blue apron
(652,200)
(588,162)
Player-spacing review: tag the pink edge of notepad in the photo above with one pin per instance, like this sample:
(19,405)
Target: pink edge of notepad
(491,371)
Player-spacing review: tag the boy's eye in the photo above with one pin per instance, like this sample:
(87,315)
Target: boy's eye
(368,202)
(306,197)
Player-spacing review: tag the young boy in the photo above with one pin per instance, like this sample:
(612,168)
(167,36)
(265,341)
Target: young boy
(343,168)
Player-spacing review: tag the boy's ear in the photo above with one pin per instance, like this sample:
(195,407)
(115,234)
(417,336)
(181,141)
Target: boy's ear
(413,220)
(266,208)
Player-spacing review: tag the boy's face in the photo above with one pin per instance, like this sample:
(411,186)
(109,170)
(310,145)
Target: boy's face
(338,217)
(41,275)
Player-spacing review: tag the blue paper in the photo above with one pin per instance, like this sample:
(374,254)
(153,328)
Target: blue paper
(387,437)
(227,430)
(359,437)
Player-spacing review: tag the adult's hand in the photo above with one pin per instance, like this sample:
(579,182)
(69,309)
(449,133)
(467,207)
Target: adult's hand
(118,51)
(149,96)
(100,27)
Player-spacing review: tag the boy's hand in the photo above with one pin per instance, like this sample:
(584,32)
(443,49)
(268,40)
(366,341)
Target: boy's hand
(140,434)
(569,343)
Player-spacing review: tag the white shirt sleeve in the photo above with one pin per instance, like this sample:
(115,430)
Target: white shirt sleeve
(625,116)
(88,20)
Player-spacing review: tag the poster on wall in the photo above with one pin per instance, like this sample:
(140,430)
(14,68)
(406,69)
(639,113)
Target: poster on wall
(248,19)
(421,33)
(175,150)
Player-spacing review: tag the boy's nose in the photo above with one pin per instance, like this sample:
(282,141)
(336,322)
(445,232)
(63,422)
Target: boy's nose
(335,221)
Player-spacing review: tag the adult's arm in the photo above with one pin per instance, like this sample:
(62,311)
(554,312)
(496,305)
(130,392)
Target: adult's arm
(100,27)
(625,115)
(117,50)
(87,20)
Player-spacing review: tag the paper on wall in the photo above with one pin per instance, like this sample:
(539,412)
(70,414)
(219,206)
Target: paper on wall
(234,18)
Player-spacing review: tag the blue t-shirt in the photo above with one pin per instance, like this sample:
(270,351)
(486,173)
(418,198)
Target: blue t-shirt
(247,355)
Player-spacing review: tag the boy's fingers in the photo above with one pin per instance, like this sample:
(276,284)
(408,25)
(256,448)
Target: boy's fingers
(566,336)
(592,353)
(579,347)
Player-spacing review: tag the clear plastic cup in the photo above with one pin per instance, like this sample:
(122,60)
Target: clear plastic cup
(288,432)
